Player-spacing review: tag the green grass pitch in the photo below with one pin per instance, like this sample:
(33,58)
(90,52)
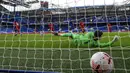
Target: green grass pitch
(53,53)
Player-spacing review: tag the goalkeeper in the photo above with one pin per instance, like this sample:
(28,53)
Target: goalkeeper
(90,38)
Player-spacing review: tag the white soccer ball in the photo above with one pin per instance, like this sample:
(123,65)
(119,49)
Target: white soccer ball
(101,62)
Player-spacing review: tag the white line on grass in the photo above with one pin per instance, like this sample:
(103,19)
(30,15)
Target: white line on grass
(87,49)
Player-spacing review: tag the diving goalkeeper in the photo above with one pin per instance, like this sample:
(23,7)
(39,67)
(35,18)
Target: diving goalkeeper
(90,38)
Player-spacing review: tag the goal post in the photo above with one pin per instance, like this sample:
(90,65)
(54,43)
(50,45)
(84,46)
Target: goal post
(22,71)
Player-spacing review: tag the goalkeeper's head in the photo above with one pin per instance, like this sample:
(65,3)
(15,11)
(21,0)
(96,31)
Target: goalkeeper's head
(97,35)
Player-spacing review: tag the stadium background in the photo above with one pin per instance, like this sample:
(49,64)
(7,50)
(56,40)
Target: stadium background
(96,17)
(31,52)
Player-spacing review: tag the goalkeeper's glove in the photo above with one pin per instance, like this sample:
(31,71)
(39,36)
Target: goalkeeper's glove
(56,34)
(116,38)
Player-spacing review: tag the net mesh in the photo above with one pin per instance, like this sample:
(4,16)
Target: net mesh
(34,47)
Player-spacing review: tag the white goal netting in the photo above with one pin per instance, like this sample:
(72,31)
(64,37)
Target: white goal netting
(27,40)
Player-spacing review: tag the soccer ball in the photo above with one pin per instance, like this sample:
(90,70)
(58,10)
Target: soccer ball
(101,62)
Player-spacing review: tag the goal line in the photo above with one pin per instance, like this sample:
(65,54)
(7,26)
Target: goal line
(87,49)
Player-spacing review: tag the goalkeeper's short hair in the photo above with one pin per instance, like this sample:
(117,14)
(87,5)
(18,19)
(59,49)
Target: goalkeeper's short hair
(98,33)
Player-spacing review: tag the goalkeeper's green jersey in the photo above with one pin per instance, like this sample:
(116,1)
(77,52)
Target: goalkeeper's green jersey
(86,39)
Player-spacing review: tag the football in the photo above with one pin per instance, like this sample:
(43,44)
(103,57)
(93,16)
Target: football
(101,62)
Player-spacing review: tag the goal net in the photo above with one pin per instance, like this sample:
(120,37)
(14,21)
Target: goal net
(28,41)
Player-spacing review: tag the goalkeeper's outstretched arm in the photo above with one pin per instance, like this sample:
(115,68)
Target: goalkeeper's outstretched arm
(77,38)
(71,35)
(64,34)
(109,43)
